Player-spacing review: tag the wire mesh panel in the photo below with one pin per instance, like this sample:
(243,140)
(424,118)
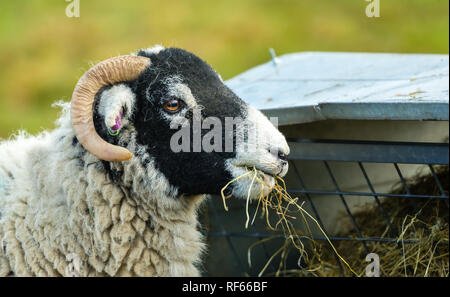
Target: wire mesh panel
(337,183)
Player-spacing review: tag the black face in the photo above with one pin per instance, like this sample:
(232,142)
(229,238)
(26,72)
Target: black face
(191,172)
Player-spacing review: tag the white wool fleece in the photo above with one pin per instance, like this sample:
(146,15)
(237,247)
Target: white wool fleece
(55,206)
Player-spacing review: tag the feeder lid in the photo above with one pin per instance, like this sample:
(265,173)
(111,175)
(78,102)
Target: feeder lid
(311,86)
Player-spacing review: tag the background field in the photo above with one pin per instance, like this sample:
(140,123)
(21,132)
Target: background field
(43,52)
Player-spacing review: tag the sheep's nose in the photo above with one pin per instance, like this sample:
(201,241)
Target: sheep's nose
(282,156)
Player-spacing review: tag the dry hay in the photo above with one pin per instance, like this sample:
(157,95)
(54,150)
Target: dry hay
(422,248)
(424,223)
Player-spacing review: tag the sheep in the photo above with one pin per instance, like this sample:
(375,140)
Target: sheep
(103,194)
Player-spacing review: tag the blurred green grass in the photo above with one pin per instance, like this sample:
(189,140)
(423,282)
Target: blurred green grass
(43,52)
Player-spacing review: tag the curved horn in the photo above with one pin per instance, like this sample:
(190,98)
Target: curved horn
(108,72)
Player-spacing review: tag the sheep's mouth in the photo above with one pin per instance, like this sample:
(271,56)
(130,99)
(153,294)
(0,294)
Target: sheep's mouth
(267,177)
(274,169)
(241,187)
(263,172)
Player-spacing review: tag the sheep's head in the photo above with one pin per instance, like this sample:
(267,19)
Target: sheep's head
(169,109)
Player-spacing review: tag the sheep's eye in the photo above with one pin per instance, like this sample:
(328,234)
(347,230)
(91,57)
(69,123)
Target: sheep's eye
(173,105)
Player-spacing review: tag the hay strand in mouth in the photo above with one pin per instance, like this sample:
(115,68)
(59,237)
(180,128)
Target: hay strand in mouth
(248,198)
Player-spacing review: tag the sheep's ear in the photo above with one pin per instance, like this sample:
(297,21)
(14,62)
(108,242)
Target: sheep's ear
(116,106)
